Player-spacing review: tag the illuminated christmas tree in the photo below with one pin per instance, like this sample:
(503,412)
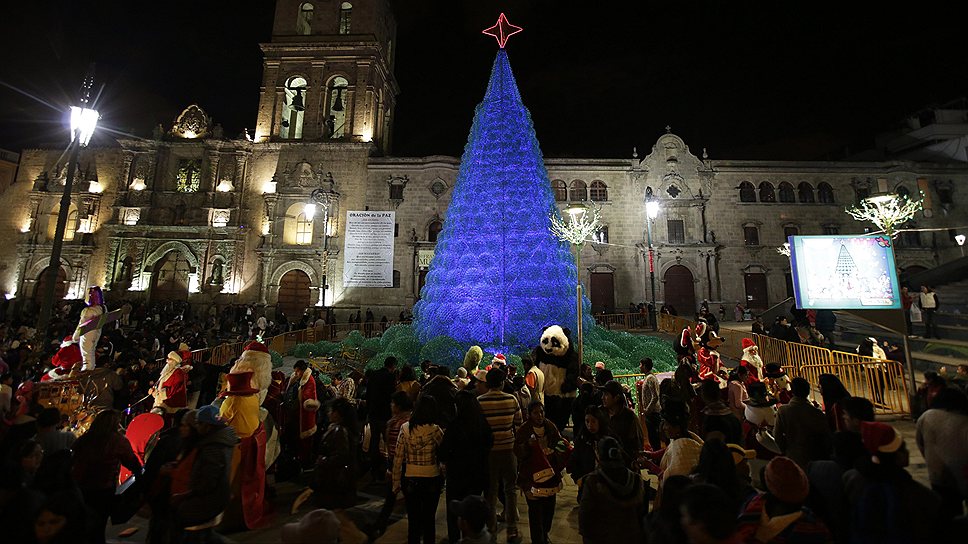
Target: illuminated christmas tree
(499,275)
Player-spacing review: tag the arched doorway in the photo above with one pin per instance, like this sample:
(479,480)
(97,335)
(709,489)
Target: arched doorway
(680,290)
(169,281)
(60,285)
(602,292)
(294,294)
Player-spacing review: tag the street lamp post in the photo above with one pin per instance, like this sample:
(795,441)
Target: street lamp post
(960,238)
(83,122)
(328,199)
(581,225)
(652,211)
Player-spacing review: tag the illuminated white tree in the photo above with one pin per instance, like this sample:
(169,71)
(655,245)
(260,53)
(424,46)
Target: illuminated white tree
(888,212)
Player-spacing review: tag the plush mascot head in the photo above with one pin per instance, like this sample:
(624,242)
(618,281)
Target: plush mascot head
(555,341)
(473,358)
(707,336)
(94,296)
(255,358)
(556,356)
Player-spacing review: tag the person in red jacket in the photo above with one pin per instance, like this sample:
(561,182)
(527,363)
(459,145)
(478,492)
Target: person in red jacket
(302,390)
(171,389)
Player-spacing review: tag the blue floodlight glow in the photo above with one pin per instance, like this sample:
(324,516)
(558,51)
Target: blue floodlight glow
(499,275)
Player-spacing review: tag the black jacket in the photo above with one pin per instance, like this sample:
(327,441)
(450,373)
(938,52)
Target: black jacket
(380,388)
(465,453)
(210,488)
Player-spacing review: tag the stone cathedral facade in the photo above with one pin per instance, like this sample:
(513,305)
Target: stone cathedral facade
(191,213)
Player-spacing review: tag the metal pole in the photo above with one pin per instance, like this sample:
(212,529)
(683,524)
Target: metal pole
(581,343)
(648,223)
(46,307)
(912,393)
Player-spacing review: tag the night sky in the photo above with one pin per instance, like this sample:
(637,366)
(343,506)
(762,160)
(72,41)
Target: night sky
(746,80)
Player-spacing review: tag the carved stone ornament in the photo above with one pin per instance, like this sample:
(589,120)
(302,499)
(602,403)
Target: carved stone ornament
(192,123)
(438,187)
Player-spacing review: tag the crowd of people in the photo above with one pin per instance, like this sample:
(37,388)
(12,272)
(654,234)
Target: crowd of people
(736,455)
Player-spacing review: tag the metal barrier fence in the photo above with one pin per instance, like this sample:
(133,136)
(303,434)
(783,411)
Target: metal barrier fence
(629,321)
(879,380)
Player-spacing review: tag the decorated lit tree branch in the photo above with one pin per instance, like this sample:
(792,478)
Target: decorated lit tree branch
(784,249)
(888,212)
(581,225)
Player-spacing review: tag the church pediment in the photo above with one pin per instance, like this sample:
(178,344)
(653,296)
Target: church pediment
(673,171)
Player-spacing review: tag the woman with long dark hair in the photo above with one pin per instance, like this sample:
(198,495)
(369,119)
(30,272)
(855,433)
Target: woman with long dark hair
(334,480)
(582,460)
(408,382)
(465,451)
(834,394)
(98,456)
(421,483)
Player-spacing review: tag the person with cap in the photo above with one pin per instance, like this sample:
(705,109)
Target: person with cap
(200,496)
(777,382)
(503,415)
(171,389)
(751,360)
(780,514)
(471,513)
(759,419)
(542,454)
(240,410)
(319,526)
(801,429)
(886,504)
(613,502)
(623,423)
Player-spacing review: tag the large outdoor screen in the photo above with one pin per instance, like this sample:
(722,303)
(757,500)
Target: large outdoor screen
(844,272)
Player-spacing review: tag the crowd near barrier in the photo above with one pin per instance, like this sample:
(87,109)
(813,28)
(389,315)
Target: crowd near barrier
(881,381)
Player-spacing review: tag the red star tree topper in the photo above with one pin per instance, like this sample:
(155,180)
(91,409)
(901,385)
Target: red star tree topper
(502,30)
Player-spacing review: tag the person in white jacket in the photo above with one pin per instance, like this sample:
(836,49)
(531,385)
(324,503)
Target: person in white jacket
(88,340)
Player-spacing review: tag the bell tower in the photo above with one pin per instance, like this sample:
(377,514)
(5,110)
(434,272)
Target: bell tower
(328,73)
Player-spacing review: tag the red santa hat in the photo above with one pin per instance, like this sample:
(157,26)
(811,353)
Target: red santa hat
(879,438)
(499,359)
(686,339)
(746,343)
(68,340)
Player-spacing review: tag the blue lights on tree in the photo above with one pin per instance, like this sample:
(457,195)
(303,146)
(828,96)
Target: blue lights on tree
(499,275)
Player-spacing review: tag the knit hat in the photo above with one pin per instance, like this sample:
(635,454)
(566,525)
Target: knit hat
(209,415)
(499,359)
(747,343)
(879,437)
(315,527)
(786,481)
(600,365)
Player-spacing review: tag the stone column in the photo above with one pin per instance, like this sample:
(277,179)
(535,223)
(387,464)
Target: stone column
(264,281)
(265,120)
(126,158)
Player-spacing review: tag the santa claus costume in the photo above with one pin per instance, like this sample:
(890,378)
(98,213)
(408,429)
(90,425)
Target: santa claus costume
(752,361)
(710,365)
(302,390)
(240,409)
(66,358)
(171,389)
(88,341)
(255,358)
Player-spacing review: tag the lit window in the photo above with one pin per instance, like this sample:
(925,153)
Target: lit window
(805,193)
(825,193)
(599,191)
(747,193)
(291,125)
(304,24)
(304,230)
(786,193)
(751,235)
(71,227)
(561,190)
(579,191)
(189,176)
(767,194)
(345,14)
(677,231)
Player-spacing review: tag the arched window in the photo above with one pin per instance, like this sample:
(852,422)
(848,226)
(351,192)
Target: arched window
(790,230)
(747,193)
(599,191)
(805,193)
(291,125)
(767,194)
(786,193)
(298,227)
(561,190)
(601,236)
(579,191)
(433,231)
(304,23)
(825,193)
(72,223)
(345,15)
(751,234)
(336,108)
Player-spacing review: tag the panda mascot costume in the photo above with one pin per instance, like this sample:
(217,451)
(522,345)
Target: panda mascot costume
(555,355)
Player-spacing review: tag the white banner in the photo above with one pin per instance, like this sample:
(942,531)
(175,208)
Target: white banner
(368,249)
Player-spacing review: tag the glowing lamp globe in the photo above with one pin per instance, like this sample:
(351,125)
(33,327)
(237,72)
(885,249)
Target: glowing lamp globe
(83,123)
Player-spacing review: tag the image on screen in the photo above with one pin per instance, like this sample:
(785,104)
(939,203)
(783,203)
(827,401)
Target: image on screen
(844,272)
